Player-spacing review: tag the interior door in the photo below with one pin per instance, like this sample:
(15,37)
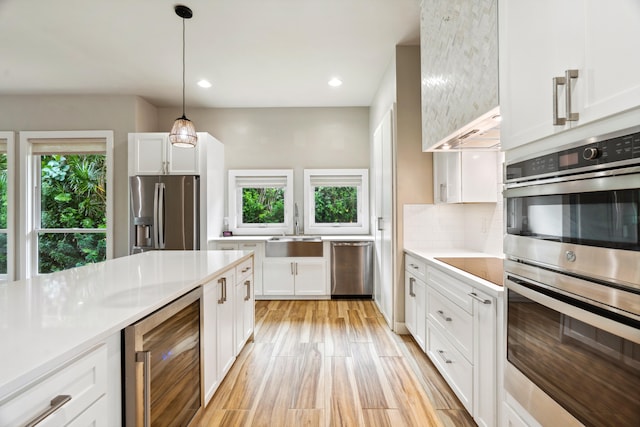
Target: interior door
(383,211)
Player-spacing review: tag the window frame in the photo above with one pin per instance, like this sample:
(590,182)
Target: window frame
(257,178)
(9,137)
(29,186)
(362,226)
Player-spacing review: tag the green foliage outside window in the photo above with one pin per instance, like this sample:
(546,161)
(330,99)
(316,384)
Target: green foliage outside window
(336,205)
(262,205)
(73,195)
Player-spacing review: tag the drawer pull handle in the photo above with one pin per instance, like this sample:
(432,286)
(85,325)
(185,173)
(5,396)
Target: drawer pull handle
(446,318)
(247,283)
(56,403)
(443,357)
(415,267)
(412,281)
(244,270)
(477,298)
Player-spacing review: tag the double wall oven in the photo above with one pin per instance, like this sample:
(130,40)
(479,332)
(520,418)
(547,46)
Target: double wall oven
(572,270)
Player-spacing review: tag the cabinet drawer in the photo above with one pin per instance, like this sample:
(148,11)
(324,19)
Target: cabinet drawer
(225,246)
(452,365)
(455,290)
(84,379)
(453,321)
(244,270)
(415,266)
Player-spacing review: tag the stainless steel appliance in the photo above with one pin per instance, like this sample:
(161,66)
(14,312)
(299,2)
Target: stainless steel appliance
(351,269)
(163,369)
(573,282)
(164,212)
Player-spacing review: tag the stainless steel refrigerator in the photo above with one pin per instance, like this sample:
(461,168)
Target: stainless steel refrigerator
(165,212)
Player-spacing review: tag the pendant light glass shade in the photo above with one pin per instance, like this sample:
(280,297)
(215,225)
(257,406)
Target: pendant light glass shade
(183,133)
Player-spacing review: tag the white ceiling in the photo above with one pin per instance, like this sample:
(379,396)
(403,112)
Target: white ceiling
(257,53)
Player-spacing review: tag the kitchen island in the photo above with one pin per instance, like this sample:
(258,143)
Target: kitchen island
(48,321)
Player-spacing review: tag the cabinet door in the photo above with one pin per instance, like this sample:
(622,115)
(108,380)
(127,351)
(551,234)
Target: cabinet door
(183,161)
(277,276)
(485,359)
(311,277)
(446,177)
(225,321)
(210,294)
(479,176)
(611,82)
(420,290)
(410,303)
(536,44)
(244,312)
(96,415)
(149,154)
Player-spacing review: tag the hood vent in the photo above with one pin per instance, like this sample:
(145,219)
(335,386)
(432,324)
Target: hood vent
(481,134)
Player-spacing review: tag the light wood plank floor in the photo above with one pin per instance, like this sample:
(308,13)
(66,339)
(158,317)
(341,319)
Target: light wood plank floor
(331,363)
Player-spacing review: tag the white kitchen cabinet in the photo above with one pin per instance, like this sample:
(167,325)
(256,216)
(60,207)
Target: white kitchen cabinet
(538,44)
(218,338)
(294,277)
(258,255)
(462,337)
(459,65)
(465,176)
(415,299)
(153,154)
(244,301)
(84,380)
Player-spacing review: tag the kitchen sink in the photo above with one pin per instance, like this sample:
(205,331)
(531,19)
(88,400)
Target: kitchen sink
(294,246)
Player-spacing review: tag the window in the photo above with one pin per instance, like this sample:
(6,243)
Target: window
(69,199)
(336,201)
(6,206)
(260,201)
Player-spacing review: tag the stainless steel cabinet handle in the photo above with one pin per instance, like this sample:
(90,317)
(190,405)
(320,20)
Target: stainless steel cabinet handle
(557,82)
(244,270)
(144,357)
(443,193)
(221,282)
(380,224)
(224,287)
(292,273)
(411,282)
(247,283)
(446,318)
(55,404)
(415,267)
(296,268)
(477,298)
(443,357)
(568,76)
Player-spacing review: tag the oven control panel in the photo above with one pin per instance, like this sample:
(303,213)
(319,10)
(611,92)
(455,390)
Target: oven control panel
(606,153)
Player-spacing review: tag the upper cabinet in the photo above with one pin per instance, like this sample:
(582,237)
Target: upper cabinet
(459,66)
(153,154)
(564,64)
(465,176)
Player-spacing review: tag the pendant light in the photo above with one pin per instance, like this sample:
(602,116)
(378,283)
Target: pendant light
(183,133)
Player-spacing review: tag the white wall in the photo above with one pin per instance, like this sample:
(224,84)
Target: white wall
(284,138)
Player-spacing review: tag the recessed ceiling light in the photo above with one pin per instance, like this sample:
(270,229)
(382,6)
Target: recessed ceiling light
(204,83)
(335,82)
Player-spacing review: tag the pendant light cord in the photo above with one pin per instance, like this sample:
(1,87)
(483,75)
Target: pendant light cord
(183,67)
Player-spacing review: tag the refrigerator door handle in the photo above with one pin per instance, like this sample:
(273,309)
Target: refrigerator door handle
(156,202)
(161,191)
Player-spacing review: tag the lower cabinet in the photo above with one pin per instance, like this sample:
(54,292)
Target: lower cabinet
(294,277)
(258,255)
(78,389)
(456,324)
(228,321)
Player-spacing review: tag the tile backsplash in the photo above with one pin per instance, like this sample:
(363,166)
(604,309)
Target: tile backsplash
(475,227)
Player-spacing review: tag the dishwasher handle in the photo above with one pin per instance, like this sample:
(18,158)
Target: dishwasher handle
(351,243)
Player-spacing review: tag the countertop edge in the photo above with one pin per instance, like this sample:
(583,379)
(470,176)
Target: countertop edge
(429,256)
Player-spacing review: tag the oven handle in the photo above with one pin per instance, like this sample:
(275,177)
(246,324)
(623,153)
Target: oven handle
(611,321)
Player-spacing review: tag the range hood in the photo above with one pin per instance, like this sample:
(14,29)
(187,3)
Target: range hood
(481,134)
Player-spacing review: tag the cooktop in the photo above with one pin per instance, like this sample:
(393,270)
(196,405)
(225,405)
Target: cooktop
(487,268)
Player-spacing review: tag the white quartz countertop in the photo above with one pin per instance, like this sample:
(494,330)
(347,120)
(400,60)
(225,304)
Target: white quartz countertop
(46,320)
(429,256)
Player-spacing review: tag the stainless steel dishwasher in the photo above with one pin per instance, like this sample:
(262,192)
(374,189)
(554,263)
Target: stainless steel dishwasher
(351,269)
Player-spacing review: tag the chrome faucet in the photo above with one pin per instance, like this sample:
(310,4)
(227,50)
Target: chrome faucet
(296,223)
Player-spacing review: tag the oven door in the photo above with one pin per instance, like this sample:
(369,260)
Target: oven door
(586,226)
(569,361)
